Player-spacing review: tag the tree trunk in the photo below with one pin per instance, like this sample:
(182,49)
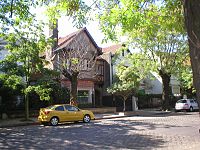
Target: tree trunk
(26,106)
(192,22)
(124,106)
(26,99)
(166,89)
(73,93)
(73,78)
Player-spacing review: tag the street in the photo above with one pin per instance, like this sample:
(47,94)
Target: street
(176,131)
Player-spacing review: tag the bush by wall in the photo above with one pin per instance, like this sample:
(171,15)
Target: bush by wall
(149,101)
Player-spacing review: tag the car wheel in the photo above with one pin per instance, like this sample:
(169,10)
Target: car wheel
(191,108)
(54,121)
(86,118)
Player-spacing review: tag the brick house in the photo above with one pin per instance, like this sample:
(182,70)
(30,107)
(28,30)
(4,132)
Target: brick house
(151,85)
(154,86)
(91,75)
(108,55)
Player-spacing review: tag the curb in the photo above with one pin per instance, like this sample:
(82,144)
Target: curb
(141,113)
(38,123)
(115,117)
(19,125)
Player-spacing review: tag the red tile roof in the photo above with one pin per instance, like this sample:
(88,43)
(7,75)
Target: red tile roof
(67,39)
(112,48)
(64,41)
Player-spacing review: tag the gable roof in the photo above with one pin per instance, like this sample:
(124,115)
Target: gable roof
(112,48)
(63,42)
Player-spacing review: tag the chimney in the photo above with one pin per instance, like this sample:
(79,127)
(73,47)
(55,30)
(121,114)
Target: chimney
(53,33)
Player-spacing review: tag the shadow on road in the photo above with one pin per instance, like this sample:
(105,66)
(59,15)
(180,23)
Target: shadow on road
(166,114)
(107,134)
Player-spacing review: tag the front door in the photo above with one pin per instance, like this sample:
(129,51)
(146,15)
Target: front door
(97,98)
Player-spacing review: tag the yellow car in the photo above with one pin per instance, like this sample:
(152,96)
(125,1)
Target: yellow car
(62,113)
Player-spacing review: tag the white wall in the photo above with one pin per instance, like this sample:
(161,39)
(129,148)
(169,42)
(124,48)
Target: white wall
(3,51)
(157,88)
(119,59)
(156,83)
(3,54)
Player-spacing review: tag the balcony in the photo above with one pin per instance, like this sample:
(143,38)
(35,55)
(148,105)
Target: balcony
(99,79)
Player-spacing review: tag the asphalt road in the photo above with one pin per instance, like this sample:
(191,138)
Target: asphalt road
(177,131)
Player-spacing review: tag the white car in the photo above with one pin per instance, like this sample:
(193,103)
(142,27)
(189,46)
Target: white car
(186,104)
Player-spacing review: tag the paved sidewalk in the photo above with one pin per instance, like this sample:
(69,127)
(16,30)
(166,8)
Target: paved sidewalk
(33,120)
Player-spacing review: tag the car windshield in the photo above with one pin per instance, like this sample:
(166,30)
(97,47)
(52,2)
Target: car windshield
(182,101)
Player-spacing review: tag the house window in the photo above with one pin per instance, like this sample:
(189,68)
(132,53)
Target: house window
(83,96)
(85,64)
(175,89)
(123,53)
(81,64)
(57,65)
(68,63)
(100,69)
(89,66)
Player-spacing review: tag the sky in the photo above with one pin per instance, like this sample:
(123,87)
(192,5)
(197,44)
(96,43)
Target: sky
(65,27)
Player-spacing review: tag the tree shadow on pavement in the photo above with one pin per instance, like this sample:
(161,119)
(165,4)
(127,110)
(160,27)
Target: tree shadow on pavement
(107,134)
(165,114)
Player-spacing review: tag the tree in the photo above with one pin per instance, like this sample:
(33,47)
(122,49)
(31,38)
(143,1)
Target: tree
(155,29)
(124,89)
(25,38)
(77,10)
(24,48)
(71,62)
(25,41)
(75,61)
(129,73)
(185,78)
(10,85)
(192,22)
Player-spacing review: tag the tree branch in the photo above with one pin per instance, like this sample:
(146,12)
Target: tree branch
(11,8)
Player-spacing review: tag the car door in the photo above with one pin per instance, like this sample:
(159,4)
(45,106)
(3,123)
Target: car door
(59,111)
(192,103)
(73,113)
(78,114)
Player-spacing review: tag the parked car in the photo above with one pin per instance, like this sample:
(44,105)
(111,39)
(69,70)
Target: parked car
(186,104)
(62,113)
